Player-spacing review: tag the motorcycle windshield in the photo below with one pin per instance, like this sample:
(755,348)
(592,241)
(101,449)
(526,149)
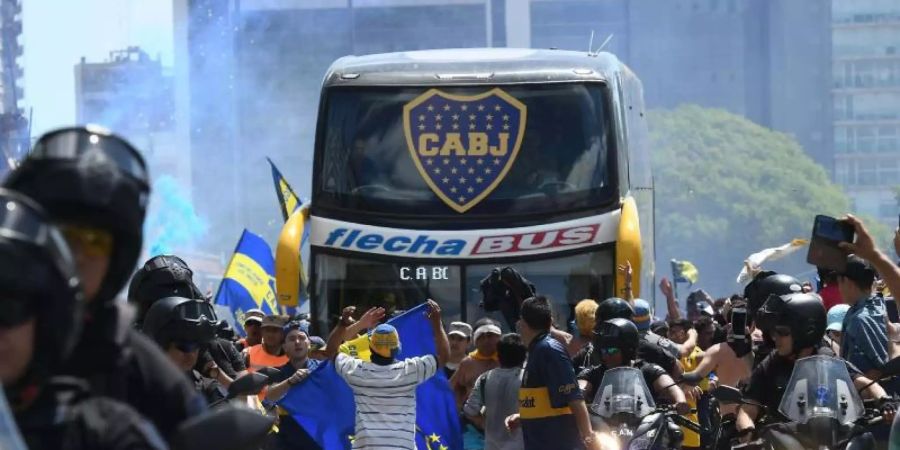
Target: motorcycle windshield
(623,390)
(820,387)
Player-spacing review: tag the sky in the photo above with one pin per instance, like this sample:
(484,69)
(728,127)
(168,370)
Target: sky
(57,33)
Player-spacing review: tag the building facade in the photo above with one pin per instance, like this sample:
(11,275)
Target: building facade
(866,95)
(131,94)
(14,139)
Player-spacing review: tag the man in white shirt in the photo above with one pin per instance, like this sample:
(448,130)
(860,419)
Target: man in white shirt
(385,388)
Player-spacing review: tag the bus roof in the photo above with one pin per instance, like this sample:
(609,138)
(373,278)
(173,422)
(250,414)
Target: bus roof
(472,66)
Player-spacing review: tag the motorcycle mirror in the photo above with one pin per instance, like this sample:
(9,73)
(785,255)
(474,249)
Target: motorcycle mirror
(249,384)
(270,372)
(727,395)
(226,428)
(890,368)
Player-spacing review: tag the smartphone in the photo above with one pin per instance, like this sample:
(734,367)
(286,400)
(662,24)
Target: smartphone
(824,251)
(739,323)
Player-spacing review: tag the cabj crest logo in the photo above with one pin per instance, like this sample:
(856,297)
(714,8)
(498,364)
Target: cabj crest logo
(463,146)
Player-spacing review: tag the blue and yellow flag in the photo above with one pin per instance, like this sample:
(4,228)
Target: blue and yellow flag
(287,199)
(437,423)
(249,282)
(684,272)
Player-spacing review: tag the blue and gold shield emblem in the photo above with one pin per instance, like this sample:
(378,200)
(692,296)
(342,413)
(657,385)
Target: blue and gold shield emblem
(463,146)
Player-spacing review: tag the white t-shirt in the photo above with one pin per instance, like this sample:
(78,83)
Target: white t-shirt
(385,399)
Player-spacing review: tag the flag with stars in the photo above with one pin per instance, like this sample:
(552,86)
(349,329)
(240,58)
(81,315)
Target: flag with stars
(437,423)
(463,146)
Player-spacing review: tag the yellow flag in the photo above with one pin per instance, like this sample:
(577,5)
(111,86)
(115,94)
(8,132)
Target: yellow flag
(287,199)
(685,272)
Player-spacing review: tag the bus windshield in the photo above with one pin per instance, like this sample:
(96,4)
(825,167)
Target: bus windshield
(401,284)
(563,161)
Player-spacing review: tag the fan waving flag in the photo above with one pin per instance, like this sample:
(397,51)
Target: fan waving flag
(437,423)
(248,281)
(684,272)
(287,199)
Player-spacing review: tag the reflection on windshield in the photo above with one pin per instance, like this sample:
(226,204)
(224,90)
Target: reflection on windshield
(623,391)
(400,285)
(565,281)
(395,286)
(562,162)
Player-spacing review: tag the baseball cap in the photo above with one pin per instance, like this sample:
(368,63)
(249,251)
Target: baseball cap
(273,321)
(316,343)
(385,341)
(301,325)
(706,309)
(254,315)
(461,328)
(836,317)
(485,329)
(642,317)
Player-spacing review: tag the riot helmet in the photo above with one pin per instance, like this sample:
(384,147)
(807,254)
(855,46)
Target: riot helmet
(803,314)
(613,308)
(38,280)
(160,277)
(765,284)
(621,334)
(180,320)
(88,177)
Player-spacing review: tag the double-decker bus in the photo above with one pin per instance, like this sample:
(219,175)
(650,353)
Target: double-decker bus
(432,168)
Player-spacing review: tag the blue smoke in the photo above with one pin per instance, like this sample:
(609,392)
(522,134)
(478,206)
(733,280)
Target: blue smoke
(173,224)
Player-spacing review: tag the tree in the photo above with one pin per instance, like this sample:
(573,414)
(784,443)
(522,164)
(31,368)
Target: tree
(726,187)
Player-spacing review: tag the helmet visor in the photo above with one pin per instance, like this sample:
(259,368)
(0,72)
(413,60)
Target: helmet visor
(96,144)
(769,315)
(196,311)
(20,221)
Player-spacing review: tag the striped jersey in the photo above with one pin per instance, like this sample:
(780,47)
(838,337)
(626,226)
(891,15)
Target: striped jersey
(385,399)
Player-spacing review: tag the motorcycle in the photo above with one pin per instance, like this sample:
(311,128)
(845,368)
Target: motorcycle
(822,406)
(625,416)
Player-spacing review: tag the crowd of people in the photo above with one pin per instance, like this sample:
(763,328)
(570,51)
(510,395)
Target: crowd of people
(81,370)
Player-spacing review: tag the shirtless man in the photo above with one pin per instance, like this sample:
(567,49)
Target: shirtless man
(729,368)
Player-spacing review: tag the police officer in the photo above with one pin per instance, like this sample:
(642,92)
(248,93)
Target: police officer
(618,341)
(166,276)
(756,293)
(94,186)
(41,309)
(651,347)
(797,324)
(181,326)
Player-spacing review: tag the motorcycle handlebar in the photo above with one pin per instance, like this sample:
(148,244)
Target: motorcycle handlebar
(686,423)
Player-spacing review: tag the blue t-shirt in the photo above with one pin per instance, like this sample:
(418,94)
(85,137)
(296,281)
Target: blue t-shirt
(548,386)
(864,339)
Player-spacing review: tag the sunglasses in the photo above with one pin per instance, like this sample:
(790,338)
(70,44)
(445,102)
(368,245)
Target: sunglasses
(92,241)
(781,331)
(186,347)
(609,351)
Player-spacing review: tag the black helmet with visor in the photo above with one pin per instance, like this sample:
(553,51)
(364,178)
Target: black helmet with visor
(88,179)
(38,281)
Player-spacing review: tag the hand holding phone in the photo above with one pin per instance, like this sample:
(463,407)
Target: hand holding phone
(824,247)
(739,323)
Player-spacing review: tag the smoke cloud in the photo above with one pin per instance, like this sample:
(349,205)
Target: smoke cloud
(172,224)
